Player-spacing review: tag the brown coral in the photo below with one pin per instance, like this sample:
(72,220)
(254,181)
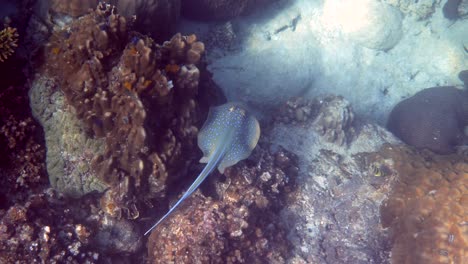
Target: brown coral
(118,85)
(8,42)
(427,209)
(237,227)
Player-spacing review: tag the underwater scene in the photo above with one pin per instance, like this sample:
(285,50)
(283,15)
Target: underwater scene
(234,131)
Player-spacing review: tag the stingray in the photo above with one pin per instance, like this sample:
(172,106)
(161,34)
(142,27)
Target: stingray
(229,135)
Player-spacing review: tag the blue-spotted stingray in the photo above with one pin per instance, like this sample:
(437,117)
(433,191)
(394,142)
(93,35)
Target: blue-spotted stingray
(229,135)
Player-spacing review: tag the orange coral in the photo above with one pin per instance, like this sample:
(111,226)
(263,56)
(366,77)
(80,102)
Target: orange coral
(427,211)
(8,42)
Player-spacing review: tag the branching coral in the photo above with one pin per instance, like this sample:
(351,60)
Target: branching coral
(427,209)
(8,42)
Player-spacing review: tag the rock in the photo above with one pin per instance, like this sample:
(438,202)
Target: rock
(463,9)
(450,9)
(422,9)
(159,18)
(433,118)
(333,215)
(240,225)
(374,25)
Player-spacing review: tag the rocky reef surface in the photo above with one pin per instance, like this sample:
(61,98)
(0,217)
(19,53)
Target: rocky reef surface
(100,140)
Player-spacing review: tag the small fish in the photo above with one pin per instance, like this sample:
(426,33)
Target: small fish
(229,135)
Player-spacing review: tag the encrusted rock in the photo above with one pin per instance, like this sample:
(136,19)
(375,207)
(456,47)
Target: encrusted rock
(236,227)
(333,215)
(422,9)
(332,117)
(463,9)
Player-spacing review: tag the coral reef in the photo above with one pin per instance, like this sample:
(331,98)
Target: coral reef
(332,117)
(219,10)
(427,208)
(39,230)
(22,168)
(133,115)
(237,227)
(8,42)
(49,228)
(432,118)
(333,215)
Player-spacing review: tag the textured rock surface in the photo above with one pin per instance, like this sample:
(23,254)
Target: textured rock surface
(422,9)
(238,225)
(463,9)
(333,215)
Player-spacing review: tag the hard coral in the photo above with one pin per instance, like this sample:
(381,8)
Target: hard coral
(23,152)
(8,42)
(237,227)
(40,230)
(115,80)
(427,208)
